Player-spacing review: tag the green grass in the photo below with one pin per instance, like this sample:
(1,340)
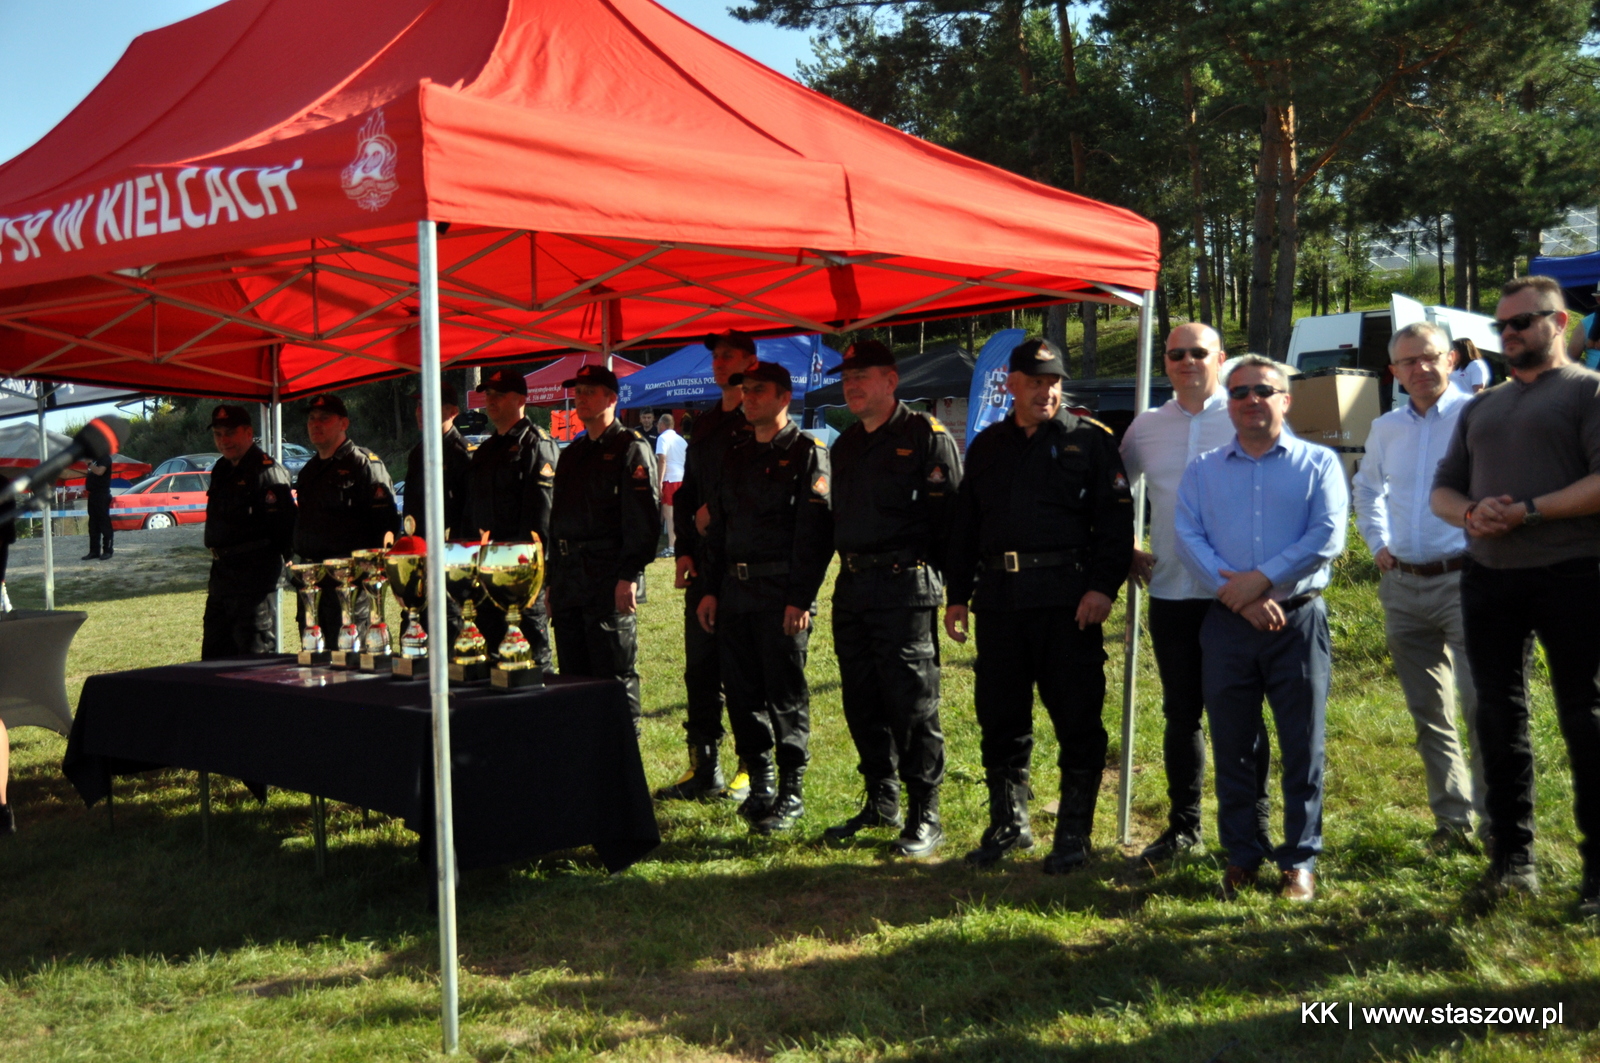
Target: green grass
(134,945)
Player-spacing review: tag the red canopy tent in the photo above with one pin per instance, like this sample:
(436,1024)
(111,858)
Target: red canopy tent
(544,383)
(276,197)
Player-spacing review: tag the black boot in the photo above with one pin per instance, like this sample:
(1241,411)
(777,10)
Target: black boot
(1074,822)
(8,822)
(923,833)
(789,807)
(1008,818)
(703,780)
(881,809)
(763,780)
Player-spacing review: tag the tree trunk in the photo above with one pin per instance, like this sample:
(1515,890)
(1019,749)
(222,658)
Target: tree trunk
(1069,73)
(1218,278)
(1055,330)
(1438,250)
(1163,313)
(1089,357)
(1459,266)
(1288,236)
(1197,194)
(1245,266)
(1261,233)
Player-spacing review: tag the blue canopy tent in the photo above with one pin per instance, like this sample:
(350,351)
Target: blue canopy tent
(1577,275)
(684,377)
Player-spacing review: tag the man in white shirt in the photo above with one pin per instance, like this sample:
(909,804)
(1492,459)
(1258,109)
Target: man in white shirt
(1421,558)
(670,452)
(1160,444)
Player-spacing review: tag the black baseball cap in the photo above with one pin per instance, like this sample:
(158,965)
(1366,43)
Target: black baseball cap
(1037,358)
(332,403)
(448,396)
(508,380)
(230,417)
(593,373)
(764,371)
(733,338)
(866,354)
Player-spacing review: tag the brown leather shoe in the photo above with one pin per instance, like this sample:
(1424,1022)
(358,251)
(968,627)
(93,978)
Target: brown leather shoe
(1236,878)
(1298,885)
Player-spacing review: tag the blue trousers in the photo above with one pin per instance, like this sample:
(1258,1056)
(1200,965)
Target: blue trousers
(1290,669)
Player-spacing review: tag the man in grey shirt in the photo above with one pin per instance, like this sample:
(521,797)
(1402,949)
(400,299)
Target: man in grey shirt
(1522,476)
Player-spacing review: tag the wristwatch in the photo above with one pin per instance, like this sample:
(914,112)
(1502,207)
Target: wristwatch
(1532,516)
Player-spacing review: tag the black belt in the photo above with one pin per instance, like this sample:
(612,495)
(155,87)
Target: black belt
(220,552)
(587,546)
(854,563)
(1015,561)
(1291,604)
(744,571)
(1433,568)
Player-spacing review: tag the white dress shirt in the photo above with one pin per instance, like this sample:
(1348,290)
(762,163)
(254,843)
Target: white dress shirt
(1160,443)
(1396,478)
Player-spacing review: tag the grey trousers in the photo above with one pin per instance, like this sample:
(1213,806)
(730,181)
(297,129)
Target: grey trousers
(1422,619)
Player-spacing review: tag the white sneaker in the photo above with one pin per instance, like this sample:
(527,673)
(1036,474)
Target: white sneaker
(5,599)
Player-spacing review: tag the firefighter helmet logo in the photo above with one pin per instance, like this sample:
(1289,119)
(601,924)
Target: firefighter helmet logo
(370,179)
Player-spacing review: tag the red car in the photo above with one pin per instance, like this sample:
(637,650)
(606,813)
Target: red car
(162,501)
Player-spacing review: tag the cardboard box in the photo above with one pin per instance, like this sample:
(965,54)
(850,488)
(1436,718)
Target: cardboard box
(1350,458)
(1334,407)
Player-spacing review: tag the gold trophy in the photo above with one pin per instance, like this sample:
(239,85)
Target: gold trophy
(511,575)
(469,658)
(371,573)
(307,580)
(347,653)
(406,566)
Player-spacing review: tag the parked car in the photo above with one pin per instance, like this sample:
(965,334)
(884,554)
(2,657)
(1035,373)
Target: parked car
(295,456)
(161,502)
(186,463)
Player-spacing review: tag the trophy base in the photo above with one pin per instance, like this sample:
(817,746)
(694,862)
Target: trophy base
(345,659)
(409,667)
(377,663)
(312,658)
(516,678)
(469,673)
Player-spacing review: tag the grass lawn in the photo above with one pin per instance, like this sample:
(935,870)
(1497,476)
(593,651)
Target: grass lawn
(133,945)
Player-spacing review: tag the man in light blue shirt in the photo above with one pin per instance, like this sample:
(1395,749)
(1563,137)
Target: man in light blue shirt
(1421,558)
(1258,522)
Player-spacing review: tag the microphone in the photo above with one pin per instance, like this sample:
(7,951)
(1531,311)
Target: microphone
(97,441)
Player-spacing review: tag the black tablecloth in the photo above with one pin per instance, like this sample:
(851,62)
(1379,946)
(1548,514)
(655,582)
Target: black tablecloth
(533,772)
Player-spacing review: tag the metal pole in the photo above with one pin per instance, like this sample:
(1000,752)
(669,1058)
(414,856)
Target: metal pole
(272,428)
(605,332)
(438,623)
(46,494)
(1130,662)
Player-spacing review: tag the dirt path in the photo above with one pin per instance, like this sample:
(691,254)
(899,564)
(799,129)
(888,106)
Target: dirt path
(144,562)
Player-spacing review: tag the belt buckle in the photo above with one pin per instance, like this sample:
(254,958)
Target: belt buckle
(741,570)
(1011,562)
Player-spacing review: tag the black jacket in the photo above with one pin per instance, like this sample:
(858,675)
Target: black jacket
(713,433)
(510,484)
(455,487)
(894,492)
(250,519)
(1063,490)
(346,503)
(605,520)
(771,508)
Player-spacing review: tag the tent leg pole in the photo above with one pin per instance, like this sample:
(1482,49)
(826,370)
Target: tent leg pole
(272,428)
(46,497)
(1130,661)
(438,675)
(205,810)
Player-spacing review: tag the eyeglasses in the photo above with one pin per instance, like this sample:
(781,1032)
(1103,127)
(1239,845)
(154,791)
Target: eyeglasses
(1260,391)
(1408,364)
(1520,322)
(1178,354)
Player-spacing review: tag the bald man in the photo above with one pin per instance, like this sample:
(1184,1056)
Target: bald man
(1160,444)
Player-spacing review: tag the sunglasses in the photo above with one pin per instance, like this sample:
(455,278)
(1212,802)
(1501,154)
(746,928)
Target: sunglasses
(1520,322)
(1261,391)
(1178,354)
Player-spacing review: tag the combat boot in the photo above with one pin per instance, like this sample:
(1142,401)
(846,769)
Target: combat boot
(1008,818)
(762,781)
(881,809)
(8,821)
(1074,822)
(923,833)
(738,787)
(703,779)
(789,806)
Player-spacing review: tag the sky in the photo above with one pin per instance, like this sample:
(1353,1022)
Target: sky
(53,52)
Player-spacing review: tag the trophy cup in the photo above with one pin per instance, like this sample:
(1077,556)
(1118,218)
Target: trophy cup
(372,573)
(406,566)
(347,653)
(307,578)
(469,657)
(511,575)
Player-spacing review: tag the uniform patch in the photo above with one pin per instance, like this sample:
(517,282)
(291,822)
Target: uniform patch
(933,422)
(936,475)
(904,452)
(639,473)
(271,496)
(821,485)
(548,470)
(1120,482)
(377,490)
(1073,448)
(1100,426)
(782,462)
(372,455)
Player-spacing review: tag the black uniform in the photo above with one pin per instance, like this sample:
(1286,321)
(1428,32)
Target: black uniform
(455,504)
(714,432)
(99,488)
(250,515)
(768,547)
(604,524)
(1039,522)
(346,504)
(510,481)
(893,494)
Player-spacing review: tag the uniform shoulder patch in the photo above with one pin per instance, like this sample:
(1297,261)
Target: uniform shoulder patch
(1104,428)
(933,423)
(266,459)
(372,455)
(816,442)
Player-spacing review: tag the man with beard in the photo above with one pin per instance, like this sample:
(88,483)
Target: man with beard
(1522,476)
